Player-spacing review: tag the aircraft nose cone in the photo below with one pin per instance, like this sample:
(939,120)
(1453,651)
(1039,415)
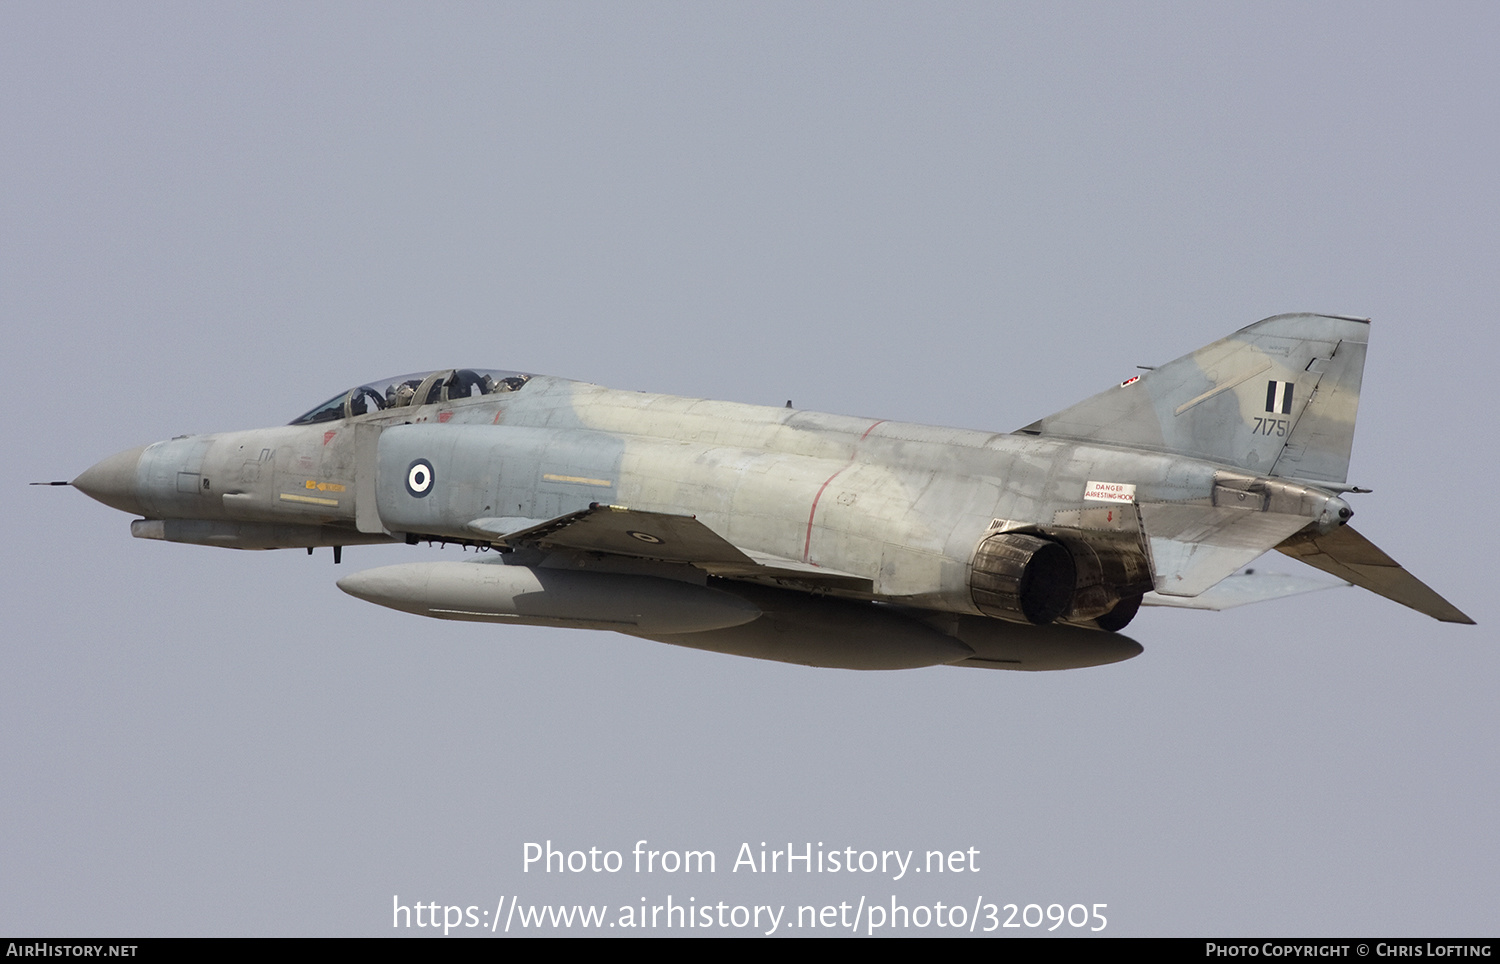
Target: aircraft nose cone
(114,481)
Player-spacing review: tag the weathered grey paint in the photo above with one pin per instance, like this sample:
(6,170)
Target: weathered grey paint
(1169,482)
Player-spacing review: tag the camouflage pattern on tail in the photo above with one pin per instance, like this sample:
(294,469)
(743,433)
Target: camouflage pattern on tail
(1277,398)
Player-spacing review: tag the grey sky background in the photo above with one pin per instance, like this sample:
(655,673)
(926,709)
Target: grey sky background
(213,217)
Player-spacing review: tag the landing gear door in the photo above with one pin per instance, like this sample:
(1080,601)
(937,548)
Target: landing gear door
(366,444)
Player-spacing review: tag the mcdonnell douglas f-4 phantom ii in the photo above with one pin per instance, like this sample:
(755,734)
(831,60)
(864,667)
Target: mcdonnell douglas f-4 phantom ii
(818,539)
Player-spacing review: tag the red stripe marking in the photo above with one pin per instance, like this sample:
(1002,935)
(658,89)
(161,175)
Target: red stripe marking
(807,542)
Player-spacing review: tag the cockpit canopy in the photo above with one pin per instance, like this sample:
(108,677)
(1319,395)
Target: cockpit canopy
(409,391)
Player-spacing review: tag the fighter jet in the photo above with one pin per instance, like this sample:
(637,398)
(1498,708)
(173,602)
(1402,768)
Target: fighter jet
(825,540)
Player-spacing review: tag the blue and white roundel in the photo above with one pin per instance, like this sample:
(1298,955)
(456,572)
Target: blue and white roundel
(419,478)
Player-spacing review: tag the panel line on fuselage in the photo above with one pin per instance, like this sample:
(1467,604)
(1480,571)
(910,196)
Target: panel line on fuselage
(853,453)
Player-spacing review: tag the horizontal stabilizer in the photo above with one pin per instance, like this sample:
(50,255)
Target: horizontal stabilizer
(1349,555)
(664,537)
(1249,586)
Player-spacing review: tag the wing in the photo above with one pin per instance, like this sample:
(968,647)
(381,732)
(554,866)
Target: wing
(664,537)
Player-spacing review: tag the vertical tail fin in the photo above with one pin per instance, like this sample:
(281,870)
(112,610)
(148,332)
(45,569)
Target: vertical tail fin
(1278,398)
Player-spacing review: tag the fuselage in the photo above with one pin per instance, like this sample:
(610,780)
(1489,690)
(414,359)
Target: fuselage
(729,527)
(902,505)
